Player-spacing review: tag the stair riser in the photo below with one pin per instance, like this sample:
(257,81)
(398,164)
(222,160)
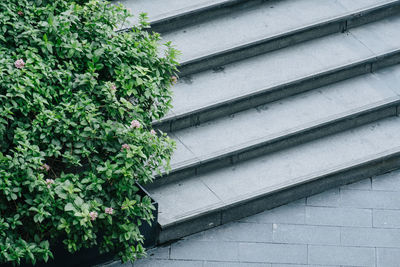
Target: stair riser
(277,198)
(202,14)
(348,121)
(258,48)
(289,38)
(368,16)
(386,60)
(278,92)
(195,16)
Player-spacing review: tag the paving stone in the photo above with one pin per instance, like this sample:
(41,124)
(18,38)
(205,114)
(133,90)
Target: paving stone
(159,253)
(387,182)
(358,244)
(346,256)
(277,253)
(117,264)
(235,264)
(291,213)
(330,198)
(370,237)
(302,265)
(391,77)
(380,35)
(386,218)
(370,199)
(168,263)
(338,216)
(189,191)
(237,231)
(182,154)
(205,250)
(305,234)
(361,185)
(388,257)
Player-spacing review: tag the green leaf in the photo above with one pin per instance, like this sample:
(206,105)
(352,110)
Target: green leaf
(78,201)
(62,128)
(69,207)
(99,52)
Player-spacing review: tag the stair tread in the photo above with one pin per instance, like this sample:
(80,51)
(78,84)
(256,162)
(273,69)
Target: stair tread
(227,134)
(251,24)
(379,36)
(207,88)
(160,9)
(226,187)
(213,190)
(391,77)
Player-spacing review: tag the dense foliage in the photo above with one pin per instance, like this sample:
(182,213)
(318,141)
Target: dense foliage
(76,104)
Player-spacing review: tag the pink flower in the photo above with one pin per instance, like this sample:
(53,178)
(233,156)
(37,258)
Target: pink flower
(20,13)
(19,63)
(113,87)
(174,79)
(153,132)
(109,211)
(125,146)
(135,124)
(93,215)
(49,182)
(45,167)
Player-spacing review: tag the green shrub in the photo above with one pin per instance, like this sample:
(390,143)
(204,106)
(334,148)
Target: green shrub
(76,105)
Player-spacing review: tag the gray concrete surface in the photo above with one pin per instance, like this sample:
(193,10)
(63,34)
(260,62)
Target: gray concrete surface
(230,184)
(247,76)
(249,25)
(354,225)
(298,21)
(275,92)
(347,226)
(167,16)
(224,134)
(157,9)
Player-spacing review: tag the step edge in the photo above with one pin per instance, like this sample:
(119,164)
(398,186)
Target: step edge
(336,19)
(180,18)
(165,123)
(331,25)
(194,11)
(314,125)
(383,158)
(275,138)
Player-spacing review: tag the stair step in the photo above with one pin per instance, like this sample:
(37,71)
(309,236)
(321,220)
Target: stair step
(267,27)
(281,124)
(249,187)
(174,14)
(317,108)
(254,81)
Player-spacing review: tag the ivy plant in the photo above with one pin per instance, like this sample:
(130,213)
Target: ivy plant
(77,100)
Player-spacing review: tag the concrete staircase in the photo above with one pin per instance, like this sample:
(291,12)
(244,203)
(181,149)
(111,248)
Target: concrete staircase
(277,100)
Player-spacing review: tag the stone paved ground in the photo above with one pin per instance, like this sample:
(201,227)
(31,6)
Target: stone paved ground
(355,225)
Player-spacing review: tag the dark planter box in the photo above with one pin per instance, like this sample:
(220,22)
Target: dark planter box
(91,256)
